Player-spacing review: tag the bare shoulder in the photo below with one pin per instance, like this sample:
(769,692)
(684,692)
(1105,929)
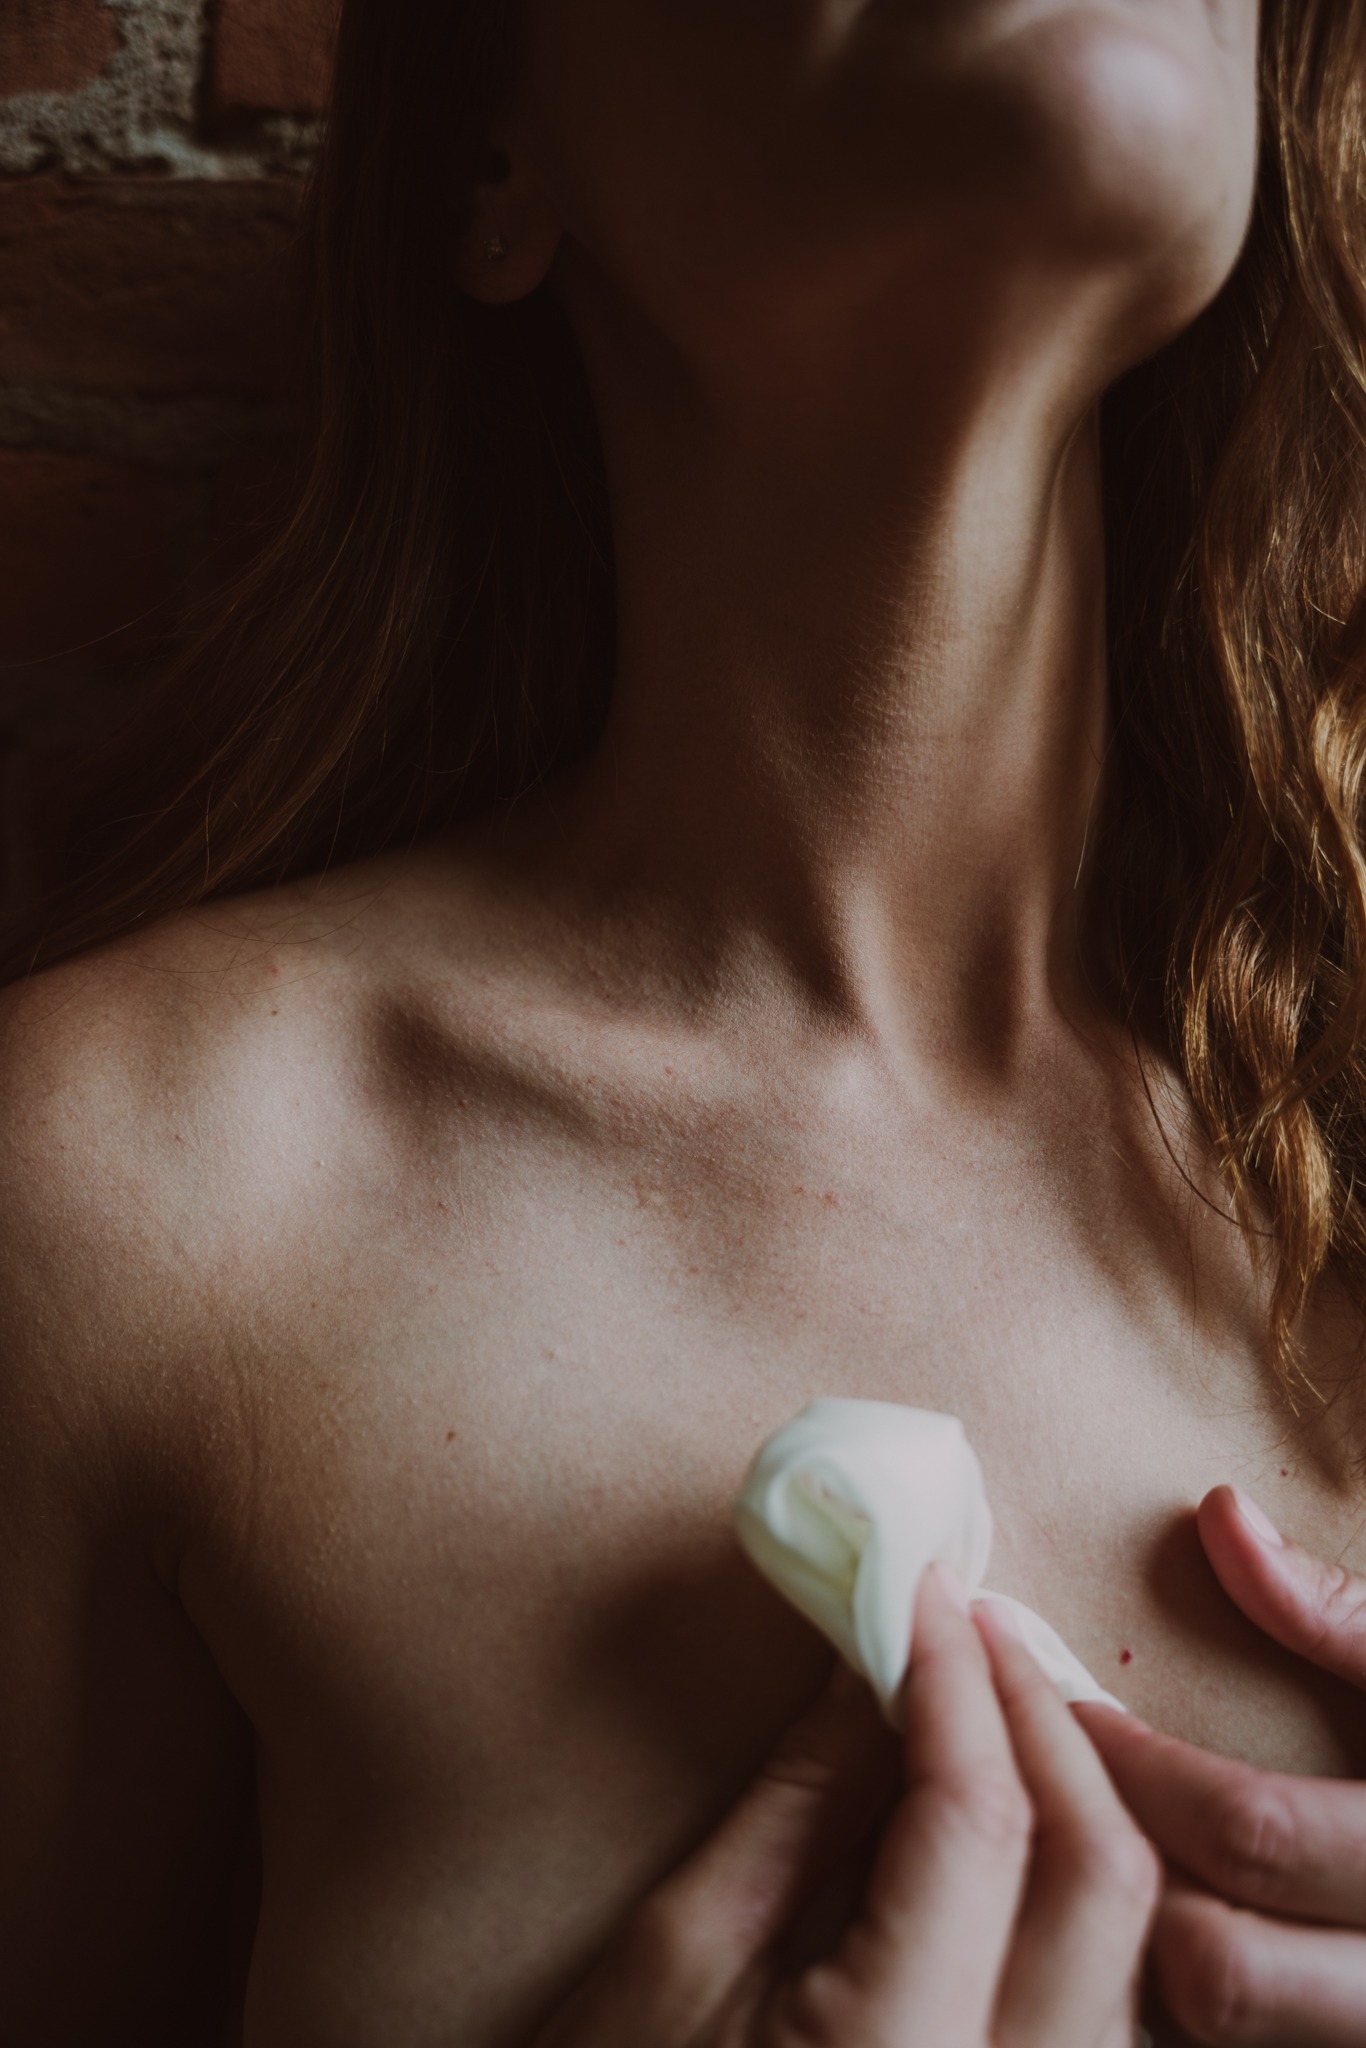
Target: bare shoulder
(175,1106)
(144,1142)
(161,1097)
(210,1132)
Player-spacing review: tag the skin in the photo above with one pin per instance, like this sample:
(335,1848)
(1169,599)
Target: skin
(1261,1937)
(1008,1901)
(400,1270)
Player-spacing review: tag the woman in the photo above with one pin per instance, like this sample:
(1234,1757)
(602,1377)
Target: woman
(575,987)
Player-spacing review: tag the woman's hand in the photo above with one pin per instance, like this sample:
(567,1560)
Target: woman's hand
(1008,1904)
(1268,1852)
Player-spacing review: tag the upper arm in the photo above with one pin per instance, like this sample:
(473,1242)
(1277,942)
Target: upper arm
(125,1766)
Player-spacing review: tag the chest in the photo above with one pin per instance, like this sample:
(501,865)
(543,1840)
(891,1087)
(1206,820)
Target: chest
(467,1559)
(488,1487)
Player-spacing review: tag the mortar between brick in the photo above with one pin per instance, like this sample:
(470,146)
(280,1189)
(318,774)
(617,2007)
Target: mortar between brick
(141,112)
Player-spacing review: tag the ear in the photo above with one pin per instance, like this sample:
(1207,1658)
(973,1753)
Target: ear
(513,232)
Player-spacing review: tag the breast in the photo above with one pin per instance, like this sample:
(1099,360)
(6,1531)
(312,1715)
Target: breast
(501,1680)
(1110,1553)
(504,1676)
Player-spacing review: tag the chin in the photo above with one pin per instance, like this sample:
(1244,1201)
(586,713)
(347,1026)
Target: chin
(1140,143)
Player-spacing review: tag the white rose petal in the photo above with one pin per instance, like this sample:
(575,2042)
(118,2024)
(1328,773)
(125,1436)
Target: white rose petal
(845,1507)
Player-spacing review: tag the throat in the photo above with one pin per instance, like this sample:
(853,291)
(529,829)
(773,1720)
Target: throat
(856,753)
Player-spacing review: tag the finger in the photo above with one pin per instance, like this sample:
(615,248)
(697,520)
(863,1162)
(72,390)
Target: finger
(1093,1883)
(1261,1838)
(815,1795)
(685,1951)
(933,1939)
(1230,1976)
(1318,1610)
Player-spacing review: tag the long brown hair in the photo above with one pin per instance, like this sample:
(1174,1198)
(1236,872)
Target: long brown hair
(432,629)
(1229,886)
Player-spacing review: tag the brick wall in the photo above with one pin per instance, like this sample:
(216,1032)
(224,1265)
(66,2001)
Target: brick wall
(151,153)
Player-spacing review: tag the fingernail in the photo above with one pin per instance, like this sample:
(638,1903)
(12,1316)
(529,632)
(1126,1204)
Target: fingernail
(1104,1711)
(950,1585)
(1258,1521)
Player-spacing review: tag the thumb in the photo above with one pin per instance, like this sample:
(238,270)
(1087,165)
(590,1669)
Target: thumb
(814,1797)
(1318,1610)
(686,1953)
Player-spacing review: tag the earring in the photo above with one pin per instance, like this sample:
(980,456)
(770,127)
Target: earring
(495,249)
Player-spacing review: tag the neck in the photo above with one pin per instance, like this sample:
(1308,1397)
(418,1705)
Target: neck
(860,709)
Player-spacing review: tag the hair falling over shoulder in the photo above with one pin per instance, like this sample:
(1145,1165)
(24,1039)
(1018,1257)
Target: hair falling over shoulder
(1228,892)
(431,630)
